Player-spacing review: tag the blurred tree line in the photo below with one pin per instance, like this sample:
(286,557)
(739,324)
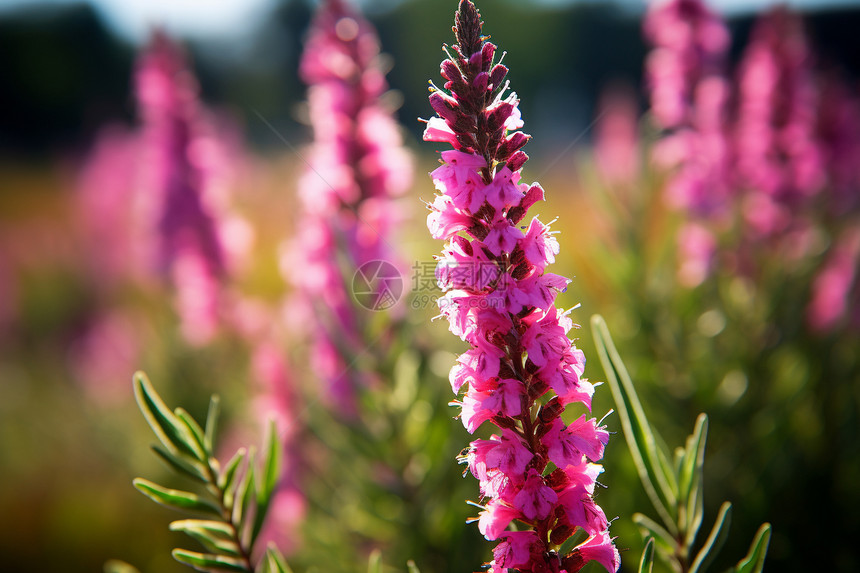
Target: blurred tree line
(65,73)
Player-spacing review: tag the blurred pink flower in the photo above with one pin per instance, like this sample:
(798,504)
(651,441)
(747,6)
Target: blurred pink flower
(186,157)
(690,42)
(106,204)
(277,401)
(104,355)
(616,136)
(778,155)
(357,168)
(697,247)
(836,289)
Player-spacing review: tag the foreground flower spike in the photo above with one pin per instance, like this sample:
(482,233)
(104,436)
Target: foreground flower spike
(177,187)
(357,168)
(522,369)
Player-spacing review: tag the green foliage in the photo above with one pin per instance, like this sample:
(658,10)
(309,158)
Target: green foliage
(235,499)
(674,489)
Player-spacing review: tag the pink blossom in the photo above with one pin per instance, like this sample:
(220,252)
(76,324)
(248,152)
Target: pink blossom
(495,518)
(567,445)
(535,500)
(598,547)
(515,550)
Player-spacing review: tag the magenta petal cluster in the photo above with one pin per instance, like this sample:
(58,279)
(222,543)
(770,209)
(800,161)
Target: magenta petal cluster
(357,167)
(521,369)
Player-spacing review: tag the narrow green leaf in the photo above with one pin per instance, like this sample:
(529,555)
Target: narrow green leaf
(213,539)
(175,498)
(374,562)
(679,460)
(117,566)
(216,528)
(647,561)
(181,464)
(208,561)
(228,474)
(664,541)
(196,431)
(412,567)
(268,479)
(172,433)
(274,562)
(715,540)
(212,422)
(692,479)
(637,431)
(243,496)
(668,472)
(754,560)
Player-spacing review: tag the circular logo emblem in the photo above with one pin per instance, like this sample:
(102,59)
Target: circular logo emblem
(377,285)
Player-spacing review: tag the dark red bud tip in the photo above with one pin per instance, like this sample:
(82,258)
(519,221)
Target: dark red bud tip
(504,422)
(498,115)
(513,143)
(487,55)
(445,106)
(551,410)
(450,71)
(560,534)
(481,82)
(517,160)
(467,28)
(533,195)
(475,63)
(573,562)
(497,75)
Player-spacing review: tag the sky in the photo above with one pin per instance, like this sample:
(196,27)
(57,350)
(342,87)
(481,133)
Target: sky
(133,19)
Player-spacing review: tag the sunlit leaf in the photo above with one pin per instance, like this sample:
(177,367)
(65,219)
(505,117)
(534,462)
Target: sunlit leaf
(637,430)
(269,477)
(172,433)
(244,496)
(175,498)
(214,536)
(228,476)
(715,540)
(374,562)
(273,561)
(754,560)
(647,561)
(212,422)
(182,464)
(193,427)
(208,561)
(411,567)
(664,541)
(692,479)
